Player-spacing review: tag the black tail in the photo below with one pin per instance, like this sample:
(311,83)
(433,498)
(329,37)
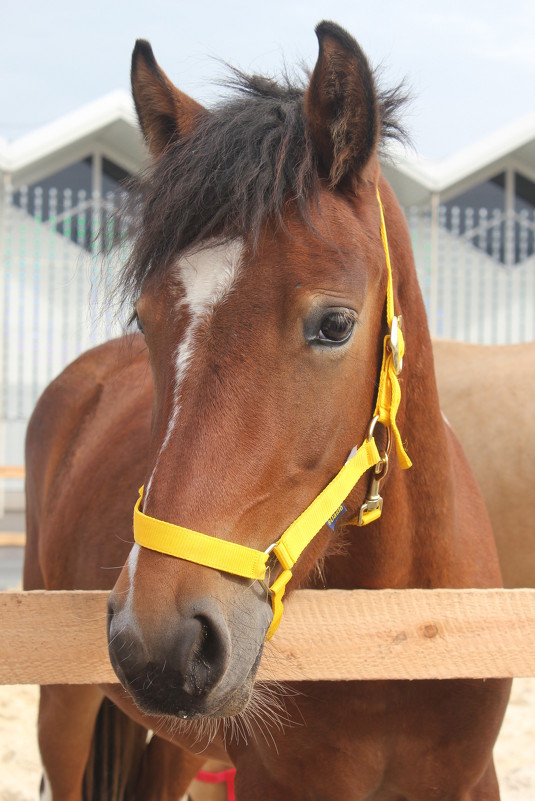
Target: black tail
(116,756)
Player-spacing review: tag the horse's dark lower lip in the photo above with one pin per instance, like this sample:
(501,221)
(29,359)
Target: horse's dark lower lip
(168,706)
(162,697)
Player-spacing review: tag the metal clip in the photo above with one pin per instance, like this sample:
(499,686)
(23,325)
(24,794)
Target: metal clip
(373,505)
(394,344)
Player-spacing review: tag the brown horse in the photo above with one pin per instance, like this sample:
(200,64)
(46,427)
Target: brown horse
(489,388)
(259,277)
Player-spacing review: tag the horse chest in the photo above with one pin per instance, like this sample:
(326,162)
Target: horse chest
(378,741)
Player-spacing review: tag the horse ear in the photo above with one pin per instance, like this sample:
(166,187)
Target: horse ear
(164,112)
(341,104)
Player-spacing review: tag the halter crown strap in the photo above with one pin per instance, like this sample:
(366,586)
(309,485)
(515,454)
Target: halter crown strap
(240,560)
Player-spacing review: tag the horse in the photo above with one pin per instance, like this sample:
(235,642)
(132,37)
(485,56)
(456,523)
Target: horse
(281,324)
(483,388)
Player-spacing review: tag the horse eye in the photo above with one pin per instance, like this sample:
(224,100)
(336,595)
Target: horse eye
(336,327)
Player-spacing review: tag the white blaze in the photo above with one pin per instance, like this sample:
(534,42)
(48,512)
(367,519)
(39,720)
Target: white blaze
(206,277)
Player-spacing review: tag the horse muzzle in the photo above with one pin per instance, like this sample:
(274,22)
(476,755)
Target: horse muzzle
(185,664)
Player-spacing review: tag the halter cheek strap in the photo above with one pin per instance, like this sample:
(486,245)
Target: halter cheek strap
(249,563)
(389,393)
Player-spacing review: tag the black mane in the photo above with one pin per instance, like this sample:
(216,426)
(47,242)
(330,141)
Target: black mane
(242,163)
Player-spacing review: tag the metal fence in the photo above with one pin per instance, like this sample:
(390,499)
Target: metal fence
(476,271)
(54,284)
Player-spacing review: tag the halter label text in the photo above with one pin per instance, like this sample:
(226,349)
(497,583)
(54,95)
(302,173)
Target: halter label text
(334,517)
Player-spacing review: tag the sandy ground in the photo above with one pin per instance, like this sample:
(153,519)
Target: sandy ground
(20,769)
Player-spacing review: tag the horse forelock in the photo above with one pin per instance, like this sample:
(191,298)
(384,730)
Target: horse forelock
(240,166)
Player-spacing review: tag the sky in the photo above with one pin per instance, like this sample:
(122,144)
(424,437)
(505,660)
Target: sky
(470,64)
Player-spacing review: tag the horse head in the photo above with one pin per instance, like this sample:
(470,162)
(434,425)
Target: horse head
(259,278)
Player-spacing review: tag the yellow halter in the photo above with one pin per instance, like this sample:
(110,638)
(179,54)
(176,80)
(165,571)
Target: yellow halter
(230,557)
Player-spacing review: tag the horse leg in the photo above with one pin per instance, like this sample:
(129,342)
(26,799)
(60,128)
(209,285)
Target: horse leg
(167,771)
(67,715)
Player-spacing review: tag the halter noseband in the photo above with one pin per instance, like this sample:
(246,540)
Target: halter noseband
(240,560)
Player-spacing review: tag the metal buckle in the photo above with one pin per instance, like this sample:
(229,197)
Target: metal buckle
(394,344)
(371,429)
(373,505)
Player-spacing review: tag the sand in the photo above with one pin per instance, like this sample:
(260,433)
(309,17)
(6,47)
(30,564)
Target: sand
(20,767)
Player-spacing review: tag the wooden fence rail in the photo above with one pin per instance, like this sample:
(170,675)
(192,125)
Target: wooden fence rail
(60,637)
(9,539)
(12,471)
(12,539)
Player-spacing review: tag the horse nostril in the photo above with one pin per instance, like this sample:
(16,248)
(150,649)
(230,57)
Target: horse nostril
(202,654)
(198,669)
